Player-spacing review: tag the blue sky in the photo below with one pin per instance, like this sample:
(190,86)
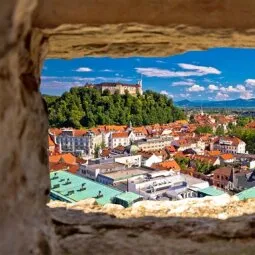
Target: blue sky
(215,74)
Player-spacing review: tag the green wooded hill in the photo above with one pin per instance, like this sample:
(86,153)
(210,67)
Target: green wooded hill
(88,107)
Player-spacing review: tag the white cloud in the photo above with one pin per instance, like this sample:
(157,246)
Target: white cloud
(212,87)
(182,83)
(165,73)
(68,78)
(196,88)
(84,69)
(200,69)
(222,96)
(68,82)
(231,89)
(250,82)
(107,70)
(246,95)
(163,92)
(184,95)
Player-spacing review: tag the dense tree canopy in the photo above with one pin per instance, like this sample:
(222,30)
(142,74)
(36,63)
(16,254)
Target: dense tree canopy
(204,130)
(88,107)
(247,135)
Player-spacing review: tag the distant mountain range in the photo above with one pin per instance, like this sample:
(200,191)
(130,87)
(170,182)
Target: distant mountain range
(236,103)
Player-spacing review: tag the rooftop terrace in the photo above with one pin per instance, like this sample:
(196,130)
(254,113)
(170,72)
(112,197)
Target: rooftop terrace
(128,173)
(72,188)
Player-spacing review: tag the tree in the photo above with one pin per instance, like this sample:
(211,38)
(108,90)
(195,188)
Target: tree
(204,130)
(243,121)
(97,150)
(88,107)
(220,131)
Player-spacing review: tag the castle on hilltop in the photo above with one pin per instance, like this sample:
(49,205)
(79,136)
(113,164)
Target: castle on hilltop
(133,89)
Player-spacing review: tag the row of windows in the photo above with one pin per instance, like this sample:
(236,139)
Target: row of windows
(220,177)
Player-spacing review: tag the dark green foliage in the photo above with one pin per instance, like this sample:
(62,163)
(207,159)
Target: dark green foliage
(89,107)
(50,99)
(247,135)
(182,162)
(204,168)
(219,131)
(242,121)
(204,130)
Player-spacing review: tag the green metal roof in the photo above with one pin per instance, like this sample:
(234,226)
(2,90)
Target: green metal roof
(128,196)
(211,191)
(248,193)
(92,188)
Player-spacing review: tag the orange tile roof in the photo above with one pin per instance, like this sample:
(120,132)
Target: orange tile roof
(73,169)
(66,157)
(142,130)
(227,156)
(120,148)
(79,132)
(120,135)
(214,153)
(168,165)
(251,124)
(105,152)
(145,154)
(115,128)
(204,158)
(181,122)
(58,166)
(55,131)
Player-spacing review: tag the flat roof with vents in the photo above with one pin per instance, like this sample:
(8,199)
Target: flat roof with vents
(248,193)
(72,188)
(211,191)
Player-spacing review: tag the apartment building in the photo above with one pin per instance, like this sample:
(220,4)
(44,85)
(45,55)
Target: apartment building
(79,142)
(153,144)
(229,144)
(120,139)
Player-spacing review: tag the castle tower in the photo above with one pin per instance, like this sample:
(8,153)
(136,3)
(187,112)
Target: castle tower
(140,83)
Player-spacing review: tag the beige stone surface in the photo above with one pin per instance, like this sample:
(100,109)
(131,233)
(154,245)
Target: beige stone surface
(24,181)
(114,28)
(151,227)
(146,27)
(220,207)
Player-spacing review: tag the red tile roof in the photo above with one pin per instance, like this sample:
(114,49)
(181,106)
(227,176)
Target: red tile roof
(79,132)
(213,153)
(223,171)
(227,156)
(65,157)
(120,135)
(167,165)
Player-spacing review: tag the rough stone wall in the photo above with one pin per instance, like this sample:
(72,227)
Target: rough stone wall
(146,27)
(24,181)
(117,28)
(150,227)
